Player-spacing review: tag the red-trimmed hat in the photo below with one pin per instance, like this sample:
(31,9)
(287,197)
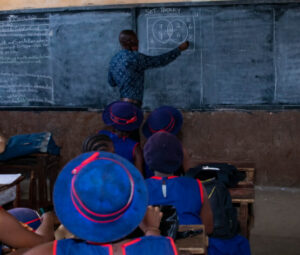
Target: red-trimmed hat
(123,116)
(27,216)
(164,118)
(100,197)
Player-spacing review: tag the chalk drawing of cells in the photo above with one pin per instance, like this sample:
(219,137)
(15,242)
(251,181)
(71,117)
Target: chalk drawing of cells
(166,30)
(169,31)
(161,30)
(179,31)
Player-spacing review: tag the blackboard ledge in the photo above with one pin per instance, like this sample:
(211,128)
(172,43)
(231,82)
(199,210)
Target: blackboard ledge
(206,108)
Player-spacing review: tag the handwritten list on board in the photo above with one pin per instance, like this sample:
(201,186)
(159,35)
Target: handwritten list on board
(24,48)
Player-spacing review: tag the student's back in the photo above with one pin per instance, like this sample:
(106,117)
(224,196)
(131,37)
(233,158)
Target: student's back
(185,194)
(163,154)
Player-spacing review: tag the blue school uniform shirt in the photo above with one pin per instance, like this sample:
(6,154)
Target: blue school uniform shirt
(185,194)
(123,146)
(126,71)
(237,245)
(147,245)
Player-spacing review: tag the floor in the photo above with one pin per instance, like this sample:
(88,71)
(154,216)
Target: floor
(277,221)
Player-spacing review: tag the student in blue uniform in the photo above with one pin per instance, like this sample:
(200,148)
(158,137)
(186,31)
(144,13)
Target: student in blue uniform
(163,154)
(123,118)
(101,198)
(167,119)
(98,142)
(127,67)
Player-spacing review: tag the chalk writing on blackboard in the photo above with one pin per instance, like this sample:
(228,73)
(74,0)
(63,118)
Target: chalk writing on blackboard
(167,32)
(24,48)
(27,88)
(24,41)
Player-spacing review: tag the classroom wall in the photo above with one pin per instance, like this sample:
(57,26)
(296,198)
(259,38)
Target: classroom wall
(270,139)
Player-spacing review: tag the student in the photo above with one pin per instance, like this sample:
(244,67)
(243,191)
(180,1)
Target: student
(123,118)
(163,154)
(98,142)
(127,67)
(15,235)
(92,143)
(168,119)
(101,198)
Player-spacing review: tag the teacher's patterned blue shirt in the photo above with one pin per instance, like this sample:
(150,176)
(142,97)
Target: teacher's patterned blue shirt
(126,71)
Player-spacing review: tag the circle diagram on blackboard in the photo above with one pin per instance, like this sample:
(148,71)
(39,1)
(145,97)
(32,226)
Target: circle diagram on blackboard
(168,32)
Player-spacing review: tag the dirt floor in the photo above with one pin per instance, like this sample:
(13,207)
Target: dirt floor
(277,221)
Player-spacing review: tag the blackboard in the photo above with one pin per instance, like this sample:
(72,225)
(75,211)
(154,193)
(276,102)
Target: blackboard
(239,56)
(59,59)
(230,61)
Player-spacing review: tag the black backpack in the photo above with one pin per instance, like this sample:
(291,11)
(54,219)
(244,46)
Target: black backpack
(216,178)
(225,215)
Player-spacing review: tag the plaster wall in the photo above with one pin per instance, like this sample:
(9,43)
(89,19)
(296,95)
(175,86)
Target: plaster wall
(271,140)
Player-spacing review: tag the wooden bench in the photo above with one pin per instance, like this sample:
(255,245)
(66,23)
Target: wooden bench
(41,169)
(243,197)
(196,244)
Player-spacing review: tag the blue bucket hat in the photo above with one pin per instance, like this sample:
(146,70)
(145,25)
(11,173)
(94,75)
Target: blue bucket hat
(164,118)
(27,216)
(123,116)
(100,197)
(163,153)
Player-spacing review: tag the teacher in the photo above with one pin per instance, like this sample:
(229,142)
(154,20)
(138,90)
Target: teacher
(127,67)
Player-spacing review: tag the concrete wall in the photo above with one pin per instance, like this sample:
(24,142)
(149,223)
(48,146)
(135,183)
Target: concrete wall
(271,140)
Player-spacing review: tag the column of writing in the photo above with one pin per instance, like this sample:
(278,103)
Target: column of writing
(25,78)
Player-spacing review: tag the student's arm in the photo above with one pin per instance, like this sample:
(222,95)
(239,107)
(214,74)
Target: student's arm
(161,60)
(43,249)
(46,229)
(150,223)
(138,159)
(206,214)
(15,235)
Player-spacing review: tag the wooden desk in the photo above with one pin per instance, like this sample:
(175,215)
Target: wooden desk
(41,169)
(194,244)
(16,202)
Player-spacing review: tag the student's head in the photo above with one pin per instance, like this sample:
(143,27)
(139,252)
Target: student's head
(128,40)
(100,197)
(98,142)
(164,118)
(163,153)
(123,116)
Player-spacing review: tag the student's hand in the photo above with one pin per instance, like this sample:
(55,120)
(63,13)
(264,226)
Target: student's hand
(184,45)
(150,223)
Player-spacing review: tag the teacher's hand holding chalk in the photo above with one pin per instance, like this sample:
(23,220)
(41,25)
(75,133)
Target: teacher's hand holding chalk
(184,45)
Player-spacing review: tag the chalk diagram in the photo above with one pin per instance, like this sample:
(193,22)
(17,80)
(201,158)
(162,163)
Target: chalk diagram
(168,32)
